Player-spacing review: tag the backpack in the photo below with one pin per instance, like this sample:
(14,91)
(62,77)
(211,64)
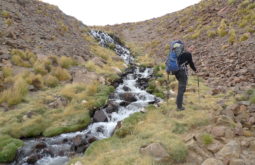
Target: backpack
(172,63)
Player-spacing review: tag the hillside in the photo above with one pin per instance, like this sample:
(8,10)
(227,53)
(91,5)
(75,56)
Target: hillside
(53,74)
(221,32)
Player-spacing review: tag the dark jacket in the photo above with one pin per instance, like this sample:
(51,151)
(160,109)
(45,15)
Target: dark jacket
(186,58)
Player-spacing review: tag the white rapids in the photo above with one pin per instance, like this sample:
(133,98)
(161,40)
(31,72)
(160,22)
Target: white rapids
(56,150)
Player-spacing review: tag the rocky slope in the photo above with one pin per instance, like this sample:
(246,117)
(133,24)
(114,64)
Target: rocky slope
(220,32)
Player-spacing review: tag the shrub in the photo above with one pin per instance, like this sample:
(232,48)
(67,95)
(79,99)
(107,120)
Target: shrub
(7,71)
(244,37)
(61,74)
(222,29)
(232,37)
(51,81)
(66,62)
(207,139)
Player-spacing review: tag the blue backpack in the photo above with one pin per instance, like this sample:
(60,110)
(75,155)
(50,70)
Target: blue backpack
(176,49)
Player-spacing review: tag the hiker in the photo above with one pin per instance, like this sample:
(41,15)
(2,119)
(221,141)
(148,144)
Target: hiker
(176,64)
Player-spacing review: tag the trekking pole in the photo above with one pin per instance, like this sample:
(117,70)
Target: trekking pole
(167,87)
(198,89)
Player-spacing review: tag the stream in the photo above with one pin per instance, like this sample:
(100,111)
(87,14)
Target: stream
(129,97)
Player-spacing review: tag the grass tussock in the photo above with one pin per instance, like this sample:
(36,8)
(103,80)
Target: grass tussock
(222,29)
(23,58)
(50,81)
(61,74)
(66,62)
(16,93)
(7,71)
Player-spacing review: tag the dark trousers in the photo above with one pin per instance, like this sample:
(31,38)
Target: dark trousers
(182,78)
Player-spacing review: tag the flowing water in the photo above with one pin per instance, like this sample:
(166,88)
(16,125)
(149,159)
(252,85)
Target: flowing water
(57,150)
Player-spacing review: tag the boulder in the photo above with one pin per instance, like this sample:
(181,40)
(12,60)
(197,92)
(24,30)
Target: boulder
(129,97)
(40,145)
(215,146)
(100,116)
(231,150)
(236,162)
(155,150)
(212,161)
(32,159)
(112,107)
(218,131)
(126,88)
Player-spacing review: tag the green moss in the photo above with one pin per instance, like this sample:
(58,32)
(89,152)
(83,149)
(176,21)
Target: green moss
(128,125)
(8,148)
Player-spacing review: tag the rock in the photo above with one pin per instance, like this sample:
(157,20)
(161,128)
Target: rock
(100,116)
(194,147)
(236,162)
(125,88)
(33,158)
(77,140)
(231,150)
(112,107)
(129,97)
(218,131)
(124,103)
(234,108)
(40,145)
(91,139)
(238,129)
(156,150)
(142,83)
(215,146)
(212,161)
(215,91)
(78,163)
(228,112)
(252,145)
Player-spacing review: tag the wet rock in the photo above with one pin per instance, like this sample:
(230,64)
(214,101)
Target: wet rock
(33,158)
(112,107)
(231,150)
(156,150)
(77,140)
(91,139)
(100,116)
(40,145)
(124,103)
(129,97)
(125,88)
(212,161)
(142,83)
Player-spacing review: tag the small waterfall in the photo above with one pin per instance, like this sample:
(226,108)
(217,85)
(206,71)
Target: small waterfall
(128,98)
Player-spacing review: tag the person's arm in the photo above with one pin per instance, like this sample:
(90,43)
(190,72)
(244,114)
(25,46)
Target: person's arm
(191,63)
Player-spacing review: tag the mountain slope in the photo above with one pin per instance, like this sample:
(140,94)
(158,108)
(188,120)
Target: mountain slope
(221,32)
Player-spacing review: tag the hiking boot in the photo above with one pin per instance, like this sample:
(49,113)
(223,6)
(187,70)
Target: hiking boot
(181,109)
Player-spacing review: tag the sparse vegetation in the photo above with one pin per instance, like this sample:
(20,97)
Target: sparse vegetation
(222,29)
(66,62)
(61,74)
(232,36)
(207,139)
(244,37)
(23,58)
(7,71)
(51,81)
